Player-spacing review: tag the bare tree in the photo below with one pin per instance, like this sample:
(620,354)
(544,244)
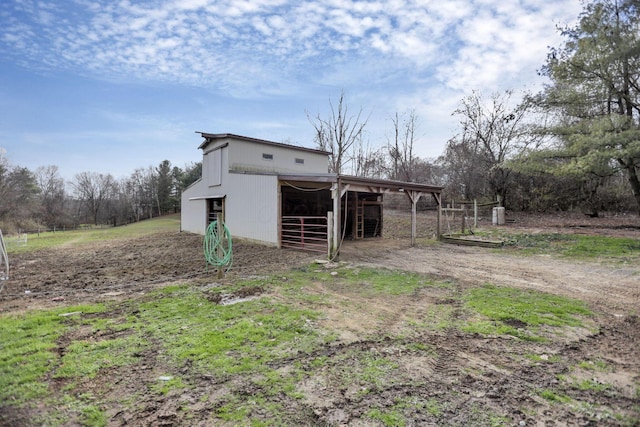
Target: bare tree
(52,194)
(338,133)
(93,190)
(401,145)
(491,133)
(368,162)
(465,177)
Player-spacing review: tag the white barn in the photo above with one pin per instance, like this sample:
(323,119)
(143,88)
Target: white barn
(282,195)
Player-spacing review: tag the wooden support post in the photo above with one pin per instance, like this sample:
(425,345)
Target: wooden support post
(220,232)
(330,236)
(438,200)
(414,219)
(438,220)
(336,194)
(414,196)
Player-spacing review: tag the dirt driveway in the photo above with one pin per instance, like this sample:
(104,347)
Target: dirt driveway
(468,371)
(614,290)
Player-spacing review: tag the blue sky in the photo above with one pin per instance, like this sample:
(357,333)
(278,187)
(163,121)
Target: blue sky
(110,86)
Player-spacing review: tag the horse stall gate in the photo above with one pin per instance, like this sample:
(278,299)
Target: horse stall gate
(304,208)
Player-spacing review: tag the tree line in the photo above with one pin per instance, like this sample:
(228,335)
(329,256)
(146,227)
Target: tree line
(575,145)
(40,199)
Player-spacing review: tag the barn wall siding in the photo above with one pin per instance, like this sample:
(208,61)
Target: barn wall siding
(248,157)
(252,207)
(193,215)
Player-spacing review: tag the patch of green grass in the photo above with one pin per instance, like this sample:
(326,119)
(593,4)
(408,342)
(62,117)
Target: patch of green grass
(93,416)
(27,350)
(554,397)
(593,385)
(362,370)
(362,280)
(251,410)
(66,409)
(576,245)
(84,359)
(376,281)
(389,417)
(422,348)
(227,339)
(164,385)
(520,312)
(36,241)
(602,246)
(233,411)
(431,406)
(403,410)
(594,365)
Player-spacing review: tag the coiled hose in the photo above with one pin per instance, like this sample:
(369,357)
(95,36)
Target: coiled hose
(218,249)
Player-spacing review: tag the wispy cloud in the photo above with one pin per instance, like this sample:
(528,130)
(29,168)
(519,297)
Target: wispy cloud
(79,102)
(252,46)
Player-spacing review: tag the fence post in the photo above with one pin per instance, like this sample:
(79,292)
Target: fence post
(4,261)
(475,213)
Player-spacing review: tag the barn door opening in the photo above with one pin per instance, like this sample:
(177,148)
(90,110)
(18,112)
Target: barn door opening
(303,222)
(215,207)
(362,215)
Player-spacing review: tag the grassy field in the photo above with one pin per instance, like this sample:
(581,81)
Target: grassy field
(271,344)
(247,340)
(53,239)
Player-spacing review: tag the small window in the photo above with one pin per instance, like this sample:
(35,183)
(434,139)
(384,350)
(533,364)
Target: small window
(299,161)
(267,156)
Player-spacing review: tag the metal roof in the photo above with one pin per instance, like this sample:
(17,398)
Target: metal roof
(211,137)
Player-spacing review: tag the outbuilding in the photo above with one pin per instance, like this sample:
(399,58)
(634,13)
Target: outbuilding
(282,195)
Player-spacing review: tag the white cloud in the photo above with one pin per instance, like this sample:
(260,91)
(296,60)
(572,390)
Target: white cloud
(286,31)
(253,48)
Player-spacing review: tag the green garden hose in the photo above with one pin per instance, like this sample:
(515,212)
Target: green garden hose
(218,250)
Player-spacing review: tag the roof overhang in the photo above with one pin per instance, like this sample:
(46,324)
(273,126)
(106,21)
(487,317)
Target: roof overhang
(215,196)
(367,185)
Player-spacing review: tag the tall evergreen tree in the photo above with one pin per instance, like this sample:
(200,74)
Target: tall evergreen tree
(165,186)
(595,87)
